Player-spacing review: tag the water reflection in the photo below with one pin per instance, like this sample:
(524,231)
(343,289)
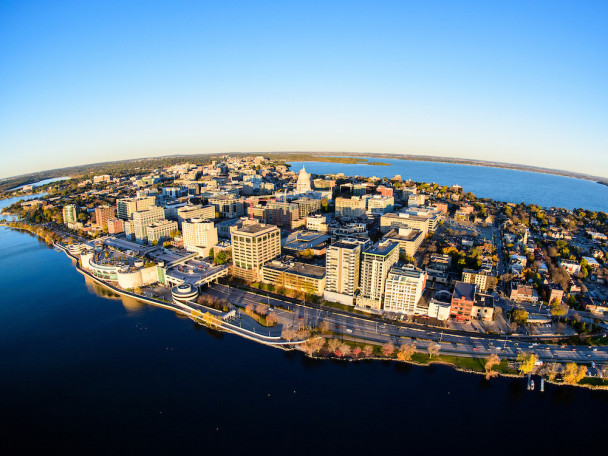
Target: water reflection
(131,305)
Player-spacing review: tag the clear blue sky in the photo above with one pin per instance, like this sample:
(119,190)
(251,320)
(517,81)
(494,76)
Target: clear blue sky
(87,81)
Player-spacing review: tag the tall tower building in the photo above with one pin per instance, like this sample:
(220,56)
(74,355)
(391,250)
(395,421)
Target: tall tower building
(375,265)
(342,266)
(254,245)
(70,214)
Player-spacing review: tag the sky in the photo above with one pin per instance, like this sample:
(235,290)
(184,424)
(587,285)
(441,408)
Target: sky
(518,82)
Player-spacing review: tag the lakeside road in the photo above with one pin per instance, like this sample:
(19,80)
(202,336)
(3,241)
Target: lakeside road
(360,329)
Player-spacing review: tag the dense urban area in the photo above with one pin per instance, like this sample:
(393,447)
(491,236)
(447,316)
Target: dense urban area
(342,266)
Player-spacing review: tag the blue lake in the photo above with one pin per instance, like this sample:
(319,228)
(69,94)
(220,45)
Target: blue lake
(500,184)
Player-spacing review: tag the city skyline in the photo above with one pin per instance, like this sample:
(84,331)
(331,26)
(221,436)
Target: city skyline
(94,83)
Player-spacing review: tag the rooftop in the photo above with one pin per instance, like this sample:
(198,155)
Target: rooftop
(464,291)
(255,228)
(382,248)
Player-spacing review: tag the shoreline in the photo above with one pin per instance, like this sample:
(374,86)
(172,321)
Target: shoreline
(448,160)
(288,346)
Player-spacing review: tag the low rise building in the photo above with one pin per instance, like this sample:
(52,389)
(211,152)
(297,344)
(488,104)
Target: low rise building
(463,299)
(295,276)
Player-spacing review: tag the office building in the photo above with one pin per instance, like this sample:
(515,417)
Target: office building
(141,220)
(253,246)
(199,235)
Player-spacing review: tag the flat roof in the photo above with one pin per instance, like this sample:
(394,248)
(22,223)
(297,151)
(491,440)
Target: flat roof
(393,234)
(255,228)
(382,248)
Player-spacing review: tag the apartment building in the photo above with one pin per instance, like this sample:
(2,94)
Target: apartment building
(350,207)
(115,226)
(483,279)
(317,222)
(70,214)
(376,262)
(403,290)
(103,214)
(409,239)
(295,276)
(253,246)
(463,299)
(342,266)
(378,205)
(307,206)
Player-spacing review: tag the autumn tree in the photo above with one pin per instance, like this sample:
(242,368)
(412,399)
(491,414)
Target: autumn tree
(388,349)
(573,373)
(344,349)
(492,361)
(406,352)
(356,351)
(368,350)
(324,327)
(526,362)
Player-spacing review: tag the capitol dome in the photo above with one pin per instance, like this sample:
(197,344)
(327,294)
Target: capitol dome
(303,184)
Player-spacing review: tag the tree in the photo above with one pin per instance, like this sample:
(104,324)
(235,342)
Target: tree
(261,309)
(333,345)
(271,319)
(343,350)
(492,361)
(212,320)
(388,349)
(356,351)
(558,309)
(551,370)
(573,373)
(406,351)
(313,345)
(433,349)
(250,309)
(324,327)
(520,316)
(526,362)
(368,350)
(289,334)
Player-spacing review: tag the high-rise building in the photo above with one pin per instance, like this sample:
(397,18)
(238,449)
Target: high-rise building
(125,207)
(376,262)
(303,184)
(403,290)
(103,214)
(286,215)
(199,235)
(342,265)
(70,213)
(252,246)
(141,220)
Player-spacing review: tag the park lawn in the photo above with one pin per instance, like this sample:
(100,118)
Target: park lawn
(594,381)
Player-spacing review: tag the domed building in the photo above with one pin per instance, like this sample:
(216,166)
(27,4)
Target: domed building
(303,184)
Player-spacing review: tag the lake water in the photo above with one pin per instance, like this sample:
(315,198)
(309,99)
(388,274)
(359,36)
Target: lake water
(42,182)
(500,184)
(82,372)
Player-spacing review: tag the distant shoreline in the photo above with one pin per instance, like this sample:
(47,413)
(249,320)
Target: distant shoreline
(314,156)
